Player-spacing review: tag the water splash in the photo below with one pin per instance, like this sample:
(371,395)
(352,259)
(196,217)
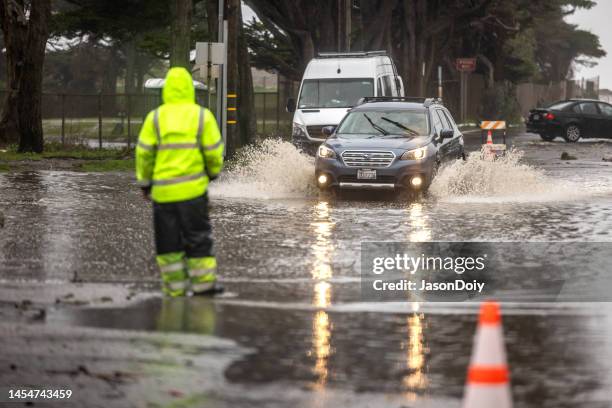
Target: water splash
(503,180)
(269,170)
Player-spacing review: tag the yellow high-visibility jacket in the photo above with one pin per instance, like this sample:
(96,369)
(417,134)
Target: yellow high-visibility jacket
(179,146)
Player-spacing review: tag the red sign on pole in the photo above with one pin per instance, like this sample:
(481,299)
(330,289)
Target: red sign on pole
(465,64)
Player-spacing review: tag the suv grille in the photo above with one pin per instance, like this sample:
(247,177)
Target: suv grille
(316,132)
(379,179)
(367,158)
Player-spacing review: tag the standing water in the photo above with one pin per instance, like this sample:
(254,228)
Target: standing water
(291,261)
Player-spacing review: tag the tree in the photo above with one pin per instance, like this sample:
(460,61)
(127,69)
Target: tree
(25,27)
(181,29)
(306,27)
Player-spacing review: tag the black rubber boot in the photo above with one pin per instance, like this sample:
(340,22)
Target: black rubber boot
(215,290)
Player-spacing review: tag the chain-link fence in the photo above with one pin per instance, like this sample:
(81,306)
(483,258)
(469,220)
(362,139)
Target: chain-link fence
(114,120)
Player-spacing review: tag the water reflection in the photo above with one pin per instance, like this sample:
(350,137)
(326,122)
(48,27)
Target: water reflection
(185,314)
(420,228)
(416,380)
(322,250)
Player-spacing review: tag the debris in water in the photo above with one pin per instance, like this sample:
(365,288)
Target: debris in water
(567,156)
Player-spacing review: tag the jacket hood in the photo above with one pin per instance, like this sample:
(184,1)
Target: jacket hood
(178,86)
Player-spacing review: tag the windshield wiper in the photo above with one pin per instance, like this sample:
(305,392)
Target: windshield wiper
(399,125)
(375,126)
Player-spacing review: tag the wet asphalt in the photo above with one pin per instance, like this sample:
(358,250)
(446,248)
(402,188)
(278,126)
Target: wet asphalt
(291,269)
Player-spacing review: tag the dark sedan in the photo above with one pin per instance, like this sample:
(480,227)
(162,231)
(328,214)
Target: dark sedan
(388,143)
(572,119)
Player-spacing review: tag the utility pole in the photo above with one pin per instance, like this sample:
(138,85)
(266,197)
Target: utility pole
(343,36)
(221,88)
(348,17)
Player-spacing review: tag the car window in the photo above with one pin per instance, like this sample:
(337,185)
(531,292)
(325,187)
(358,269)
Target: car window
(381,91)
(605,109)
(437,122)
(388,86)
(449,119)
(577,108)
(445,123)
(589,108)
(560,105)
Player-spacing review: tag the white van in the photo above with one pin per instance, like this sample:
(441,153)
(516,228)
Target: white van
(332,84)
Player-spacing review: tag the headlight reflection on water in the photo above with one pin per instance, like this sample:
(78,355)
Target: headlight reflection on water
(415,356)
(322,250)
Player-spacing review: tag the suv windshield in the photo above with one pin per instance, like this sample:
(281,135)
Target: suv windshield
(334,93)
(403,123)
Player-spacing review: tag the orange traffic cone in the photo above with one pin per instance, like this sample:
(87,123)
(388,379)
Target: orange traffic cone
(489,137)
(488,383)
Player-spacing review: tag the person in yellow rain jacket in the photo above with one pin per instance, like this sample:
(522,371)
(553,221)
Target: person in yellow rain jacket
(179,151)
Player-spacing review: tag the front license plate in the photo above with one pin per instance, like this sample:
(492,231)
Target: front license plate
(366,174)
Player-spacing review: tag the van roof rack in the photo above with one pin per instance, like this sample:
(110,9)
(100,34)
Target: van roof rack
(354,54)
(414,99)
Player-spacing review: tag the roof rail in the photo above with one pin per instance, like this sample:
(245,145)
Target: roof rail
(414,99)
(354,54)
(432,101)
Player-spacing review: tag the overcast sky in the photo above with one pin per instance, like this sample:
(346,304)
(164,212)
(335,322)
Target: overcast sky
(597,20)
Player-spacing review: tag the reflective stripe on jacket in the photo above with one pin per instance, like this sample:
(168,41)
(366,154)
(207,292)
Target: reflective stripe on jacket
(179,145)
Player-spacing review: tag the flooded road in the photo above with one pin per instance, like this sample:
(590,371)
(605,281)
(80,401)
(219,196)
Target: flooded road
(290,261)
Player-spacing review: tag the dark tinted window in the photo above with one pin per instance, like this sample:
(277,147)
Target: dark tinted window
(577,108)
(560,105)
(605,109)
(449,119)
(589,108)
(443,120)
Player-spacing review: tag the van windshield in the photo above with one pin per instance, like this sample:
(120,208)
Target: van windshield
(334,93)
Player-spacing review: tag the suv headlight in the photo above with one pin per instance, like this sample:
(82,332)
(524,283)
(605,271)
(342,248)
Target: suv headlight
(416,154)
(326,152)
(299,130)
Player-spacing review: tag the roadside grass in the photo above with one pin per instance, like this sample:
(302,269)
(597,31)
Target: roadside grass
(59,151)
(108,165)
(75,157)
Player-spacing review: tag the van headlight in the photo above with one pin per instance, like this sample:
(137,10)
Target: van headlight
(326,152)
(415,154)
(299,131)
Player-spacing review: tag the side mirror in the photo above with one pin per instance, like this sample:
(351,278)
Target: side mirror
(290,105)
(328,130)
(447,134)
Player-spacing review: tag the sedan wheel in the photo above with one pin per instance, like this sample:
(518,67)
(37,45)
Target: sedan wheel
(572,134)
